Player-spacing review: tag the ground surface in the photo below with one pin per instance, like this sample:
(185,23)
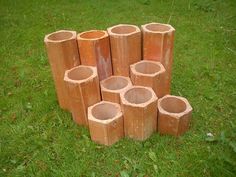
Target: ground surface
(37,138)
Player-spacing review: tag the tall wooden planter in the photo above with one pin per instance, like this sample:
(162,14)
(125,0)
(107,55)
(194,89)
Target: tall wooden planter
(94,49)
(63,54)
(125,47)
(158,42)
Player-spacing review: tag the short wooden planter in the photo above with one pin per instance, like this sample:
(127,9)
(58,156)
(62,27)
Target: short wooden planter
(105,122)
(174,115)
(149,74)
(113,86)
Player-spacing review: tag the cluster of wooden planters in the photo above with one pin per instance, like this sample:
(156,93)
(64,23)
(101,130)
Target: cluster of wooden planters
(117,82)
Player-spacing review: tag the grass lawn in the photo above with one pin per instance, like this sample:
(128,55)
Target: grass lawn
(37,138)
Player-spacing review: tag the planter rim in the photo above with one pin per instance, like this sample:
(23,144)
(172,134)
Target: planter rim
(92,76)
(47,37)
(92,39)
(133,68)
(109,30)
(129,84)
(144,28)
(106,121)
(176,115)
(142,105)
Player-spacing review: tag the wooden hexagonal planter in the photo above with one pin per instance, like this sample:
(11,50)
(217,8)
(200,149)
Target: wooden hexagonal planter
(83,86)
(158,43)
(149,74)
(63,54)
(113,86)
(94,49)
(125,47)
(139,105)
(174,115)
(105,122)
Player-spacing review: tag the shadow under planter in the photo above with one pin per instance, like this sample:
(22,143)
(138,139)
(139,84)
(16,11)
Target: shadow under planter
(83,86)
(113,86)
(63,54)
(174,115)
(105,122)
(139,106)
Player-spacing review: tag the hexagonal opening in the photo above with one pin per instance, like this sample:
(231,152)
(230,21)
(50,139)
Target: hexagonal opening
(61,35)
(80,73)
(104,111)
(147,68)
(92,34)
(158,27)
(115,83)
(173,105)
(124,29)
(138,95)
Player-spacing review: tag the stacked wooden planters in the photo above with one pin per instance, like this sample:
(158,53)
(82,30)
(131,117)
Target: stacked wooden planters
(117,82)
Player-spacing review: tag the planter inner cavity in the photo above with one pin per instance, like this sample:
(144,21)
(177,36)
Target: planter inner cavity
(80,73)
(158,27)
(138,95)
(104,111)
(115,83)
(92,34)
(123,29)
(147,68)
(61,35)
(173,105)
